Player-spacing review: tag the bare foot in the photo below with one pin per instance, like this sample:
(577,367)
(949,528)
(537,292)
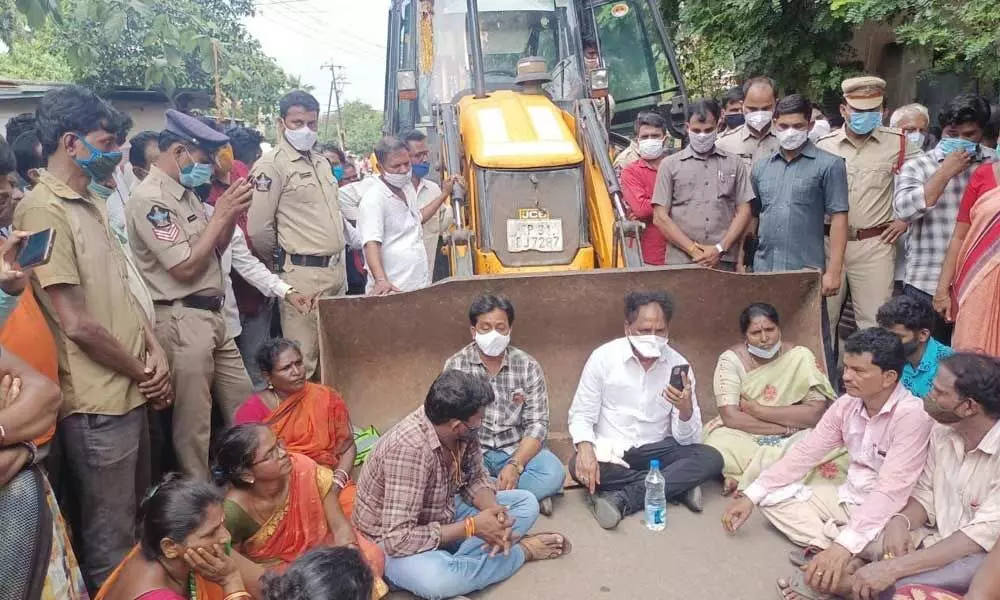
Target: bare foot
(545,546)
(729,486)
(786,590)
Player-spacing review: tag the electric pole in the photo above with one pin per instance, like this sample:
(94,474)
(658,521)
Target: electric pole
(337,83)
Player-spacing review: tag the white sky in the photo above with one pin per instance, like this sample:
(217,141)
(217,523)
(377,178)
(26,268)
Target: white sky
(303,35)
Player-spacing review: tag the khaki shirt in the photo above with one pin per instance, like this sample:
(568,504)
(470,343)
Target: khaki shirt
(750,148)
(295,205)
(701,193)
(427,192)
(164,220)
(960,490)
(871,165)
(84,254)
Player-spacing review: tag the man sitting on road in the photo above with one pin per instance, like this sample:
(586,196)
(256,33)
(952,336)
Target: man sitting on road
(625,414)
(517,422)
(952,520)
(912,320)
(426,499)
(885,430)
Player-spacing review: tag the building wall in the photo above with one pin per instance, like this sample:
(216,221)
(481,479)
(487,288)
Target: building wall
(145,114)
(10,107)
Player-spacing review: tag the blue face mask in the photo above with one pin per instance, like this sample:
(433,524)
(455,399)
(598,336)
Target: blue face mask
(863,123)
(101,191)
(952,144)
(195,175)
(338,172)
(100,165)
(421,169)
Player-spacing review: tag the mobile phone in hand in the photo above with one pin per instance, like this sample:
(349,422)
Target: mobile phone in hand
(36,249)
(677,376)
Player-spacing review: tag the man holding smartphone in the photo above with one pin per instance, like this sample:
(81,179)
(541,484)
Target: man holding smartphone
(625,378)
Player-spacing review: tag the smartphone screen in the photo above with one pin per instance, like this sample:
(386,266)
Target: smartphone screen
(677,376)
(36,249)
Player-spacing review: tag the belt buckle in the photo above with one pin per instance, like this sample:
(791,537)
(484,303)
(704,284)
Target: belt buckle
(852,234)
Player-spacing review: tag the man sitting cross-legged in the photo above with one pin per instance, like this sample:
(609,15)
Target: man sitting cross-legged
(426,499)
(885,430)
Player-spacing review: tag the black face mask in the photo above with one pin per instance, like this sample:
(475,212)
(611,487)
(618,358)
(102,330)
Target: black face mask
(909,348)
(735,120)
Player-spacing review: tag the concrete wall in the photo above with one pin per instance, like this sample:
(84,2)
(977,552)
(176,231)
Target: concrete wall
(145,114)
(15,106)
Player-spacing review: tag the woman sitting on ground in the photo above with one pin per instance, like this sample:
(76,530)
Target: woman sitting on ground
(280,504)
(322,574)
(309,418)
(769,392)
(183,551)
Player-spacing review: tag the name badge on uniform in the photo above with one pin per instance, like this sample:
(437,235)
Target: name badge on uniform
(263,183)
(192,218)
(164,229)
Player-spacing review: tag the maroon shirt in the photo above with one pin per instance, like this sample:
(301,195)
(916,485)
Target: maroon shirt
(637,181)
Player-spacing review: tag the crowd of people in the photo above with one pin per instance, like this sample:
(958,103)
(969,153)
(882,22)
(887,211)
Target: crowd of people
(144,378)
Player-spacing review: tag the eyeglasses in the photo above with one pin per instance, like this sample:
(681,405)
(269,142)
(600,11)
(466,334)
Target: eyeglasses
(277,451)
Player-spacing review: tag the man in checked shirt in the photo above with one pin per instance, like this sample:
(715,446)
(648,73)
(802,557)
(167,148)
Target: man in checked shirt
(427,501)
(517,422)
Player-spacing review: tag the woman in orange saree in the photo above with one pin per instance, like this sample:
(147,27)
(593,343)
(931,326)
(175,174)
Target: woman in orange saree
(183,549)
(279,504)
(311,419)
(969,288)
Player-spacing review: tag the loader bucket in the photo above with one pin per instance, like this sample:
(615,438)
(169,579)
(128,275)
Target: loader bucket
(382,354)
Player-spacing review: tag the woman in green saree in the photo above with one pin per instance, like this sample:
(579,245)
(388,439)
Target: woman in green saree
(769,393)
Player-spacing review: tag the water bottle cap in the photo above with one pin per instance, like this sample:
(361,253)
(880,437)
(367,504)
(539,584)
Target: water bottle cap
(654,465)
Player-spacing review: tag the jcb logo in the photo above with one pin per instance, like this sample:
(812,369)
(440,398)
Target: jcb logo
(532,213)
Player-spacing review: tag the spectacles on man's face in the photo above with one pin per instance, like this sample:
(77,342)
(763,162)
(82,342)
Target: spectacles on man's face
(278,450)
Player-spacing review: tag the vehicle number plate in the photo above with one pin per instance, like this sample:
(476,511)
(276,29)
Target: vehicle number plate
(542,235)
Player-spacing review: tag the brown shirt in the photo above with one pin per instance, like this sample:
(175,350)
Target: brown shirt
(85,255)
(871,165)
(743,143)
(294,205)
(164,221)
(701,194)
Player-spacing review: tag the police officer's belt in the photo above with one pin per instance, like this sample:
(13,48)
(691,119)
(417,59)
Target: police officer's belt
(210,303)
(307,260)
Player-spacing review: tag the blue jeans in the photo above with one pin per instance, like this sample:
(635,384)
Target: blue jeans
(468,568)
(543,475)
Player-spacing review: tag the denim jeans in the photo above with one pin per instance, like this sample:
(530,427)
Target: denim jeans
(543,475)
(445,573)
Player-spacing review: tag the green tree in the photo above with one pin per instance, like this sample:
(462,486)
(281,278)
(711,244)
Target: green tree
(362,127)
(31,57)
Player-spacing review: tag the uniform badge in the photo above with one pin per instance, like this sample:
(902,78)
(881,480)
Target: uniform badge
(263,183)
(163,228)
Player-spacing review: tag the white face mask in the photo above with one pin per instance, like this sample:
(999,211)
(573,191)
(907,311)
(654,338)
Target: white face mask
(492,343)
(792,139)
(302,139)
(916,138)
(649,346)
(765,353)
(759,119)
(397,180)
(702,143)
(650,149)
(820,128)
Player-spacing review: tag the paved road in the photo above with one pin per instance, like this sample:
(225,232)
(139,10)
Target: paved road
(693,559)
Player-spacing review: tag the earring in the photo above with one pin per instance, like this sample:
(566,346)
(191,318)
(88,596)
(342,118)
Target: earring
(250,480)
(270,386)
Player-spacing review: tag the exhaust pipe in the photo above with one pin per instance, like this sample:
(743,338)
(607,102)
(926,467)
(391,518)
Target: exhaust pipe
(476,50)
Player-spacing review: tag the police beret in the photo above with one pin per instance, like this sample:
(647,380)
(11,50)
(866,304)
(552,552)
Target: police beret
(194,131)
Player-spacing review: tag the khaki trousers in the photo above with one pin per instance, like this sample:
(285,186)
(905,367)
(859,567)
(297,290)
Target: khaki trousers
(204,363)
(869,266)
(322,282)
(813,522)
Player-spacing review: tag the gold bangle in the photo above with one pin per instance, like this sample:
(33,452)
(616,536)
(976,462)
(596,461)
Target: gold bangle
(238,595)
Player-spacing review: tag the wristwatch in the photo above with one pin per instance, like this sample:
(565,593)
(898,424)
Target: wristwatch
(720,248)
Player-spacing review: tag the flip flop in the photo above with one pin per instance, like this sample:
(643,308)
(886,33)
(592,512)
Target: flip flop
(538,550)
(801,557)
(797,584)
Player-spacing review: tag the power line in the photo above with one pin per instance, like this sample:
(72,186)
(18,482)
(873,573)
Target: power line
(288,11)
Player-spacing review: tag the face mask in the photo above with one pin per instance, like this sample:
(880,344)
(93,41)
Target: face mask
(101,191)
(916,138)
(649,346)
(863,123)
(651,149)
(421,169)
(702,143)
(396,180)
(471,433)
(953,144)
(759,119)
(302,139)
(101,165)
(765,353)
(338,172)
(734,121)
(196,174)
(492,343)
(792,139)
(940,413)
(820,128)
(909,348)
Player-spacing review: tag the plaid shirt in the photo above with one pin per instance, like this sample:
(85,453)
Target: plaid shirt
(406,491)
(521,408)
(930,228)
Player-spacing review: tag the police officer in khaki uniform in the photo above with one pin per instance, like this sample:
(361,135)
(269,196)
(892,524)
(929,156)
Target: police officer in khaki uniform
(874,155)
(177,251)
(295,221)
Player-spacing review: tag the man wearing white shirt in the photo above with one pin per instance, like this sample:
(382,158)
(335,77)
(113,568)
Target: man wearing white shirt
(428,192)
(626,414)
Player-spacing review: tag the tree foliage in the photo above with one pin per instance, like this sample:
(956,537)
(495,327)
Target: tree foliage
(362,124)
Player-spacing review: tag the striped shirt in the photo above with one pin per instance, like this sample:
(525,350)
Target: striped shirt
(407,488)
(930,228)
(521,408)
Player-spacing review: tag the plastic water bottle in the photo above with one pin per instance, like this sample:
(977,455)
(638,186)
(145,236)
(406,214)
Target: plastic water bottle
(656,500)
